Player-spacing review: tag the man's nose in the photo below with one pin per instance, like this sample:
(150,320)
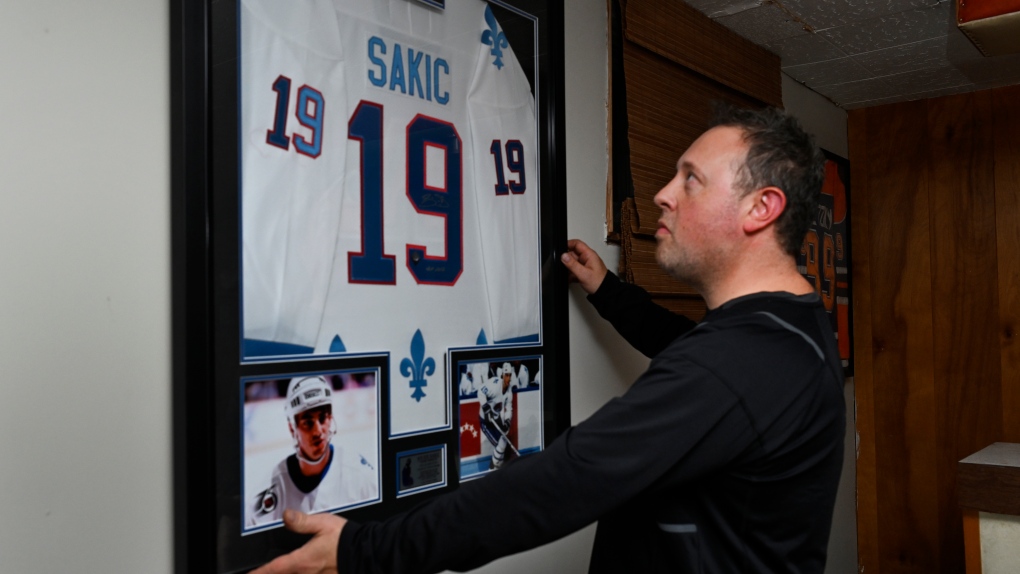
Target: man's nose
(664,197)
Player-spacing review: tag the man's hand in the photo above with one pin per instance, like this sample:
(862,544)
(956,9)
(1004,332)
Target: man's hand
(585,266)
(318,555)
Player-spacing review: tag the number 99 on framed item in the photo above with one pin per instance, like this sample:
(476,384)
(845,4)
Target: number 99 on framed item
(824,258)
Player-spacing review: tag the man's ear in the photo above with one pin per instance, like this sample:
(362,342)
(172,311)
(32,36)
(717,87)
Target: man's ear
(767,204)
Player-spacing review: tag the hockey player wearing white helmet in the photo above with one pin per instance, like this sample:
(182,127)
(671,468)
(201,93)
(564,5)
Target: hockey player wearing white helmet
(496,414)
(317,477)
(310,418)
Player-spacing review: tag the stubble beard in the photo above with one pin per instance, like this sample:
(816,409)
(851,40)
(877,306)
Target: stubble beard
(674,260)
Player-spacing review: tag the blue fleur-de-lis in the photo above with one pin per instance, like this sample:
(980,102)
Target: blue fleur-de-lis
(417,367)
(494,37)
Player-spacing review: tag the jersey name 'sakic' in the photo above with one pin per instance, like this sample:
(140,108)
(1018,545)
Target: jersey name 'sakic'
(408,77)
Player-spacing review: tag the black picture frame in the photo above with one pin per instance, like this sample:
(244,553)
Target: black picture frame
(209,374)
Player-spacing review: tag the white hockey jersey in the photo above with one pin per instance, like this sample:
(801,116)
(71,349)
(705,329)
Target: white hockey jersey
(345,483)
(389,179)
(494,398)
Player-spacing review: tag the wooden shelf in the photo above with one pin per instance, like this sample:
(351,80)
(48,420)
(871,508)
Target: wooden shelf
(989,480)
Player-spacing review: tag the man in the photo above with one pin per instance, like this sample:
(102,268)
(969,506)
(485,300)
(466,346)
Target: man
(316,477)
(725,455)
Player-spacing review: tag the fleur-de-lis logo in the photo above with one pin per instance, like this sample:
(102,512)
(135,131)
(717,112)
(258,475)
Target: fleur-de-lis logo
(494,37)
(417,367)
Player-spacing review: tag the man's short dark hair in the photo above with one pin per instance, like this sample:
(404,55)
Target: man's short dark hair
(782,154)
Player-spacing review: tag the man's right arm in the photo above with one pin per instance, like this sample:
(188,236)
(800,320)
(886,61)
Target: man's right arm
(648,327)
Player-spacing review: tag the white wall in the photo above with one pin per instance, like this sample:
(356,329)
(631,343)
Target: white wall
(85,287)
(818,115)
(828,124)
(84,284)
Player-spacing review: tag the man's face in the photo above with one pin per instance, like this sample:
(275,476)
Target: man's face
(700,208)
(506,380)
(313,431)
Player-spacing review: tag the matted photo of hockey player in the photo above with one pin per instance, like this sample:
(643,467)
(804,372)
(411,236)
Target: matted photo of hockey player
(500,411)
(311,443)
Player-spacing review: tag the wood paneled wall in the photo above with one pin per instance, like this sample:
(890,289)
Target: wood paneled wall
(935,226)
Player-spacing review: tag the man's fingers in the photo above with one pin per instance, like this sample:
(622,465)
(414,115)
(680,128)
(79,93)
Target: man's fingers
(575,267)
(577,249)
(299,521)
(570,260)
(311,523)
(294,520)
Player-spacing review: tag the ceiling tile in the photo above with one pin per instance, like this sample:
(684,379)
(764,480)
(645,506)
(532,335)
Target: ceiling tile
(867,52)
(927,80)
(921,55)
(945,79)
(839,71)
(891,30)
(999,83)
(716,8)
(906,97)
(959,47)
(764,24)
(870,88)
(825,14)
(804,49)
(939,92)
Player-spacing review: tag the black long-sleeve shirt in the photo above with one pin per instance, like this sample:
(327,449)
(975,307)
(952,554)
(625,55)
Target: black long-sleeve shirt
(724,456)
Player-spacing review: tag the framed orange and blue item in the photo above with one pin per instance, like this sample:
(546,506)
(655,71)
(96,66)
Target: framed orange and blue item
(368,202)
(824,258)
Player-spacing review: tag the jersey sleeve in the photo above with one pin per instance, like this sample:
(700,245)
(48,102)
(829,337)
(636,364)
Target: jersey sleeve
(505,182)
(292,73)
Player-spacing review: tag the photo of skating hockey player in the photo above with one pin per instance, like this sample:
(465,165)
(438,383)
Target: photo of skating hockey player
(311,442)
(500,412)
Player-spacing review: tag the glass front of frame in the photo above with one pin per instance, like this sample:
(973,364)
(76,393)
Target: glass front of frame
(388,159)
(383,214)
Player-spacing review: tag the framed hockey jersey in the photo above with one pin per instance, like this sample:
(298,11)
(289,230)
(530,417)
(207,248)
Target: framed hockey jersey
(368,207)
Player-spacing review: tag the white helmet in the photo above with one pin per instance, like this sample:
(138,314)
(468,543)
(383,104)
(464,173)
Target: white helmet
(506,369)
(306,393)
